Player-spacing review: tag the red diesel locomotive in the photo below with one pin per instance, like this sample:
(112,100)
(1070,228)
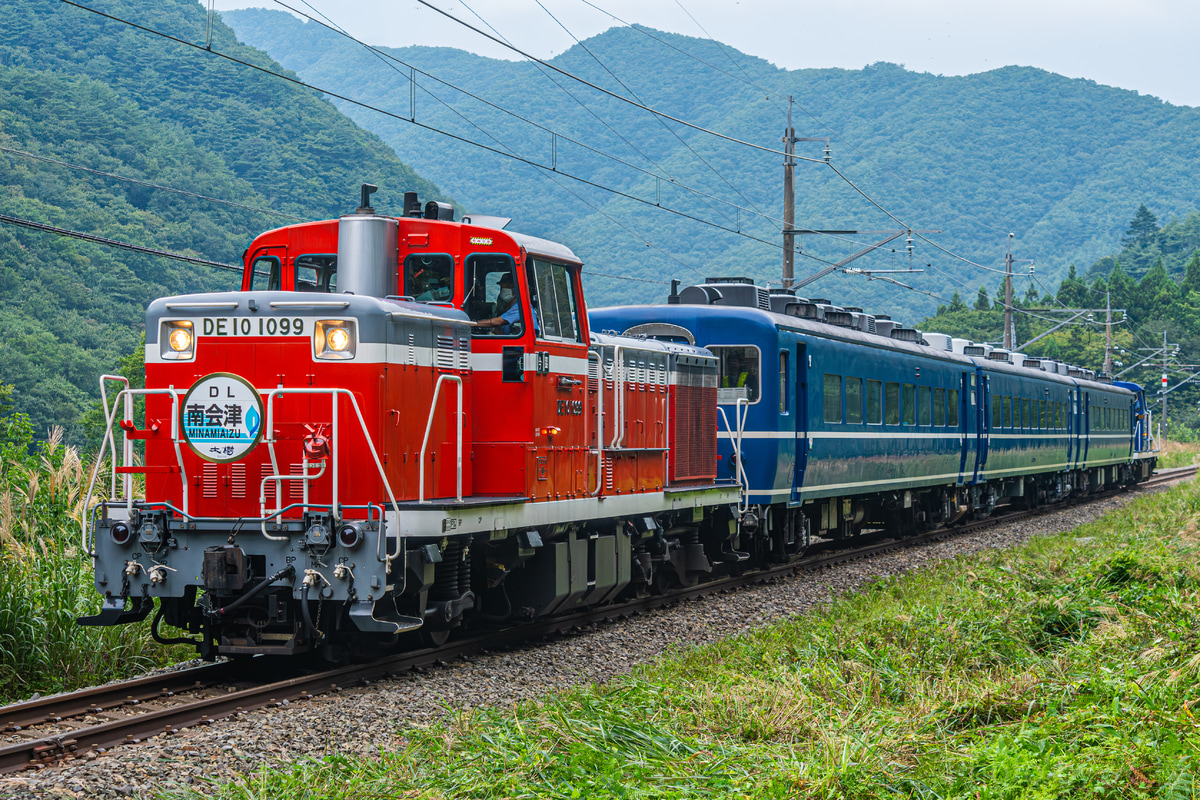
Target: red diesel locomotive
(402,424)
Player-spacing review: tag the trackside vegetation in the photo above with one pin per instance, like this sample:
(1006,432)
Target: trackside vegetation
(1066,667)
(45,579)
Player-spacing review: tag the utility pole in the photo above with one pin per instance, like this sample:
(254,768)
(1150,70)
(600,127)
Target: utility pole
(1107,334)
(789,201)
(1009,333)
(1164,388)
(789,196)
(1168,350)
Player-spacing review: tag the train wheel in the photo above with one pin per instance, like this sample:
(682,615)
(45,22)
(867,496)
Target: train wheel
(434,638)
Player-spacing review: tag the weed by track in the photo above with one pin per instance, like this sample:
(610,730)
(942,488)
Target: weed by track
(1063,668)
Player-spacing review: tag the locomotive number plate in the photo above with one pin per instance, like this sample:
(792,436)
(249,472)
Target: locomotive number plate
(252,326)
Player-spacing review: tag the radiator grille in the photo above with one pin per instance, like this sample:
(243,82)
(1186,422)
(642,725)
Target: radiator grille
(695,423)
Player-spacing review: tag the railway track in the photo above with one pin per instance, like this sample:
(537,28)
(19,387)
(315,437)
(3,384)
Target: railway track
(53,729)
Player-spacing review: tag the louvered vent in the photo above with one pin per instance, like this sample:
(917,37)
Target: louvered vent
(444,354)
(269,488)
(296,488)
(237,481)
(842,319)
(210,481)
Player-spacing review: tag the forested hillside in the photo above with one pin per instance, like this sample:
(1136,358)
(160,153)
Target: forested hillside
(1145,303)
(80,89)
(1062,163)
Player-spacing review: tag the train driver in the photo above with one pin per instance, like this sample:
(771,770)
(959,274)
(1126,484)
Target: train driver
(506,313)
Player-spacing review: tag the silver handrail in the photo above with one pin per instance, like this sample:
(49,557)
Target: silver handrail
(736,442)
(599,420)
(127,396)
(437,388)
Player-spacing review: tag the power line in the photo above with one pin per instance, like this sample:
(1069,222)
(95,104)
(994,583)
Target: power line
(515,157)
(456,137)
(633,94)
(612,94)
(488,134)
(127,179)
(134,248)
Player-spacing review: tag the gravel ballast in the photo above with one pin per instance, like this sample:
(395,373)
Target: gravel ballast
(365,720)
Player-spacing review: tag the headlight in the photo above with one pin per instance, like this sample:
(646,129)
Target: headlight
(338,339)
(177,340)
(334,338)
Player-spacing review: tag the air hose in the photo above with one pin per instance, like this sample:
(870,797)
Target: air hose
(287,572)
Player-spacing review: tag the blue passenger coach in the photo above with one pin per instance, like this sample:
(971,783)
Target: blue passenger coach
(836,421)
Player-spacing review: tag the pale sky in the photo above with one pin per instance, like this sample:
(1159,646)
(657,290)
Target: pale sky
(1146,45)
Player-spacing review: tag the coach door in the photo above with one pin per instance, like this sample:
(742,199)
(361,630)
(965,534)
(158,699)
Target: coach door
(1085,428)
(977,400)
(801,415)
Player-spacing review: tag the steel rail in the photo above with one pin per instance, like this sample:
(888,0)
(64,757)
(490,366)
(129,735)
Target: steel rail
(207,710)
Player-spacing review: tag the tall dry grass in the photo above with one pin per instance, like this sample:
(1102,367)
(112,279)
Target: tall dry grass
(46,580)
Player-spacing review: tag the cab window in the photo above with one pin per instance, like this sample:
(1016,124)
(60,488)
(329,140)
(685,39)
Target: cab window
(492,292)
(553,301)
(739,373)
(264,273)
(315,273)
(429,277)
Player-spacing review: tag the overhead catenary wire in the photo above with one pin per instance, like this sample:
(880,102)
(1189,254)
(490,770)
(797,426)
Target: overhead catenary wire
(135,248)
(672,181)
(550,177)
(682,214)
(633,94)
(148,184)
(585,181)
(513,154)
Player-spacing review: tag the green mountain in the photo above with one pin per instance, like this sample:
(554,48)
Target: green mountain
(1061,163)
(81,89)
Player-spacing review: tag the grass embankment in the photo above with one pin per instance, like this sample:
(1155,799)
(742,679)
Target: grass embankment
(1064,668)
(46,581)
(1178,454)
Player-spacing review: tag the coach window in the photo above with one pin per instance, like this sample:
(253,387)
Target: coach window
(783,383)
(939,408)
(874,402)
(264,273)
(891,404)
(1006,419)
(908,404)
(1026,417)
(997,404)
(429,277)
(854,401)
(492,294)
(739,373)
(316,273)
(952,399)
(832,402)
(923,407)
(553,300)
